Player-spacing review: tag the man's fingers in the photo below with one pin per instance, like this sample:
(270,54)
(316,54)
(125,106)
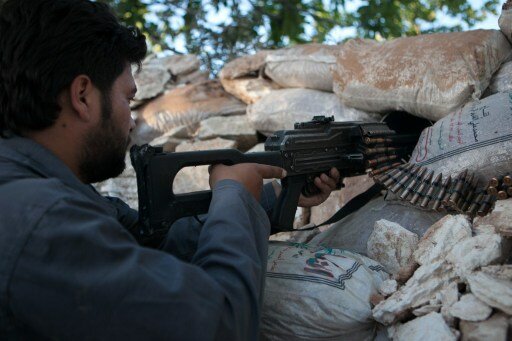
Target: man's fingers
(270,172)
(322,186)
(328,181)
(335,174)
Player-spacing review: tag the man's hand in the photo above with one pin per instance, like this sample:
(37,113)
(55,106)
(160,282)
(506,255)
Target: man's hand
(325,183)
(250,175)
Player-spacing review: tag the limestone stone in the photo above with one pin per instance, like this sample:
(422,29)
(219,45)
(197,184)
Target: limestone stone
(493,329)
(192,179)
(449,295)
(428,327)
(470,308)
(500,218)
(151,81)
(427,309)
(193,77)
(493,285)
(441,237)
(123,187)
(391,245)
(180,64)
(475,252)
(260,147)
(483,229)
(388,287)
(235,128)
(428,280)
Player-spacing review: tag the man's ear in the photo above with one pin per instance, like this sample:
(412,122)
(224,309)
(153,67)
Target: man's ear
(81,92)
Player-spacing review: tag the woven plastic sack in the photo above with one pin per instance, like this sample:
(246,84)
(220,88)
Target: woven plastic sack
(303,66)
(352,232)
(477,137)
(282,108)
(318,293)
(184,106)
(244,78)
(428,76)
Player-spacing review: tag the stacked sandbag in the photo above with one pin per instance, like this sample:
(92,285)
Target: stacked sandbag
(281,109)
(353,232)
(428,76)
(303,66)
(245,77)
(184,106)
(476,137)
(317,293)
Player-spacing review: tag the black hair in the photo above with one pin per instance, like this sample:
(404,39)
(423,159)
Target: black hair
(45,44)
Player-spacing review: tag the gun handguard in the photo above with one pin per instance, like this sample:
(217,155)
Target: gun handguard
(305,152)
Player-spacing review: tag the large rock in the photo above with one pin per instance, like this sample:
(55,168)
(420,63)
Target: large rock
(493,285)
(151,81)
(429,327)
(441,237)
(391,245)
(475,252)
(470,308)
(500,218)
(494,329)
(426,282)
(235,128)
(123,187)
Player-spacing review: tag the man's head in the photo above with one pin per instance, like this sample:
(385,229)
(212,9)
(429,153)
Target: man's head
(55,53)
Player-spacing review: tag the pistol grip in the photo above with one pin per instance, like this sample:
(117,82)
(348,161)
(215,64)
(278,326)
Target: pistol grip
(283,213)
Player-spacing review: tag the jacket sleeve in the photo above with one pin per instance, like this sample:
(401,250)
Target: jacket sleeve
(81,275)
(182,238)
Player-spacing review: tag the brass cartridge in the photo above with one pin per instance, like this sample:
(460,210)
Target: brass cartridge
(432,189)
(422,187)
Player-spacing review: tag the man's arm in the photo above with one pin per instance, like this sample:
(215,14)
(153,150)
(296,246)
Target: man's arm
(82,275)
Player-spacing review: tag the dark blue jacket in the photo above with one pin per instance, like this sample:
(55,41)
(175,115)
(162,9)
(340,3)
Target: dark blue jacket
(69,269)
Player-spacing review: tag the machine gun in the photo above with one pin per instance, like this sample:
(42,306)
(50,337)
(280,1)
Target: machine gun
(310,149)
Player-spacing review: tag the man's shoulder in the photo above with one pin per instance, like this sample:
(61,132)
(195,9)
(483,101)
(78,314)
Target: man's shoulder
(40,191)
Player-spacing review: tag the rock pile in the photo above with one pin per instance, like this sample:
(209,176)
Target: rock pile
(462,286)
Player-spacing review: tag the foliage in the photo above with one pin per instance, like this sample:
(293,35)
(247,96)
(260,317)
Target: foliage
(220,30)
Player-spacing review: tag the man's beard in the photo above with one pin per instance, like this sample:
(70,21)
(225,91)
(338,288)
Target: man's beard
(103,154)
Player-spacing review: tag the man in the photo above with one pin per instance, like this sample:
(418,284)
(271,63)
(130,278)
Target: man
(69,268)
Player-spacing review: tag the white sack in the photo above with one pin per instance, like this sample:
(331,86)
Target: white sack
(303,66)
(477,137)
(316,293)
(428,76)
(282,108)
(244,78)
